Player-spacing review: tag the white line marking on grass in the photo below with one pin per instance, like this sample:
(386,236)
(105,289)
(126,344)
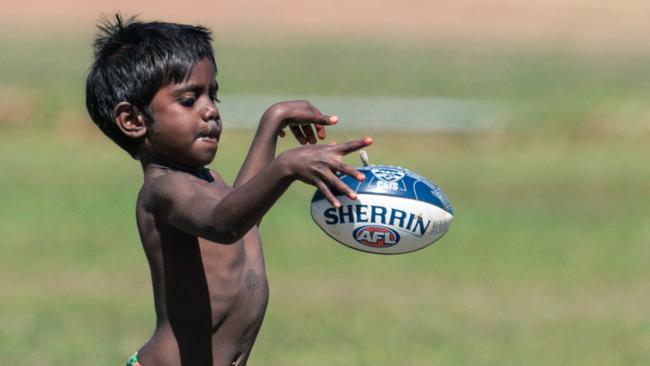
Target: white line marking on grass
(416,114)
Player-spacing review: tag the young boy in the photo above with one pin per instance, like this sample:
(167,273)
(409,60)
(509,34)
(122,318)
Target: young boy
(152,90)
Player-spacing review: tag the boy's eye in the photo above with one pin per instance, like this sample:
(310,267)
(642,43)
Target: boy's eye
(187,102)
(214,99)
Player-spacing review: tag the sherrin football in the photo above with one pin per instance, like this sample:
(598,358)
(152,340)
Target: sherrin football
(396,211)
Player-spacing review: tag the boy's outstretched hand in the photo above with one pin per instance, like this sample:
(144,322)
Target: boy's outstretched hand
(313,164)
(304,120)
(318,164)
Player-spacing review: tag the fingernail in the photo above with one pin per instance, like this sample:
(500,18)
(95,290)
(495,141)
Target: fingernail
(361,177)
(353,196)
(367,140)
(337,204)
(334,119)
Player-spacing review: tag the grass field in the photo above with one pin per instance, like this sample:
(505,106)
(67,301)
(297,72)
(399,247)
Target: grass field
(545,264)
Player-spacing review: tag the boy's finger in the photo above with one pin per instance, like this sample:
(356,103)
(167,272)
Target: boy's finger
(330,120)
(299,135)
(327,193)
(350,171)
(309,119)
(355,145)
(308,131)
(316,111)
(320,132)
(324,120)
(341,187)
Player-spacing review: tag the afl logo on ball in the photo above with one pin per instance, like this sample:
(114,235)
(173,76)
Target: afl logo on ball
(376,236)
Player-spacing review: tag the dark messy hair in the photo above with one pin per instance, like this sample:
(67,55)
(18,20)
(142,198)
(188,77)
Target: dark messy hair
(132,61)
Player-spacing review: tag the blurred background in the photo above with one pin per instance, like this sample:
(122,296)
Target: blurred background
(533,116)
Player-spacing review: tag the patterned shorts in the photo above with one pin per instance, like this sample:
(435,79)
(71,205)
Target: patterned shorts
(133,361)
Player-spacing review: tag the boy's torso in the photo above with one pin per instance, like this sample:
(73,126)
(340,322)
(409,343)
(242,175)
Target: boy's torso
(210,298)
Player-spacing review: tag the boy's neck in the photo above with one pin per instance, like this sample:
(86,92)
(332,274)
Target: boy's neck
(163,163)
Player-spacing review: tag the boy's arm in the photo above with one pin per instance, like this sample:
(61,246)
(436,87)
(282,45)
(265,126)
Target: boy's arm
(187,206)
(299,116)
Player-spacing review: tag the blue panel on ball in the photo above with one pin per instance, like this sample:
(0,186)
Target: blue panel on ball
(396,182)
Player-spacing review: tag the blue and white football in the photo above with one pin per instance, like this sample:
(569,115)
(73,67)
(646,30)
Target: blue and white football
(396,211)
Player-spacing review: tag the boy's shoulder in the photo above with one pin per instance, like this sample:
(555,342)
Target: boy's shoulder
(174,185)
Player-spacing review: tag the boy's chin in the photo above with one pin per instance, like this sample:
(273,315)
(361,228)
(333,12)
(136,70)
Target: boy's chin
(207,159)
(199,158)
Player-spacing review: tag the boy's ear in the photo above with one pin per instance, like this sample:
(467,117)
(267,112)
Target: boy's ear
(129,120)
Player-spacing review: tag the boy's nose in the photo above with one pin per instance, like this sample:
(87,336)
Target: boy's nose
(210,113)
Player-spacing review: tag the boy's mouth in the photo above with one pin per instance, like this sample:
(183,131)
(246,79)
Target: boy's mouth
(211,135)
(209,140)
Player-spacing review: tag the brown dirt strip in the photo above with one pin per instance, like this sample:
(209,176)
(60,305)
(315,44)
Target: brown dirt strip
(599,24)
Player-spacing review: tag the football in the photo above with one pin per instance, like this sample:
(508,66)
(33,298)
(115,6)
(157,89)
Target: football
(396,211)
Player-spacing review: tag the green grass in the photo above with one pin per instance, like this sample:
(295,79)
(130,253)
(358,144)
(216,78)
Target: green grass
(545,263)
(544,89)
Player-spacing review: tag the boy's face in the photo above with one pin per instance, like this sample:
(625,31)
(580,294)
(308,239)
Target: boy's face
(186,124)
